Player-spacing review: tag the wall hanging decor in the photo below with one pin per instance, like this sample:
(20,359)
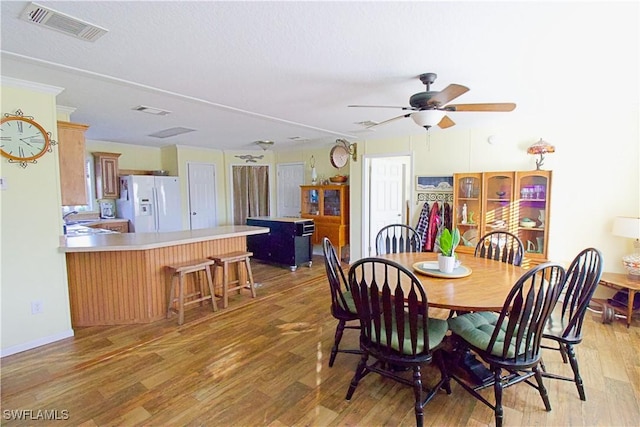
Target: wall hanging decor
(24,140)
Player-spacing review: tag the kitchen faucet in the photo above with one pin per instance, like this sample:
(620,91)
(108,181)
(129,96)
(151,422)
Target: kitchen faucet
(65,216)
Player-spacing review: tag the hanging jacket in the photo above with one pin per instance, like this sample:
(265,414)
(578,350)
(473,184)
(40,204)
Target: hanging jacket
(447,216)
(432,229)
(423,223)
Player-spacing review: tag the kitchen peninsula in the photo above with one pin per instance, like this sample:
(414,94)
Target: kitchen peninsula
(121,279)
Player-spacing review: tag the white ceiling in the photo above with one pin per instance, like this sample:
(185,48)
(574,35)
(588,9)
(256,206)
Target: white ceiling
(238,72)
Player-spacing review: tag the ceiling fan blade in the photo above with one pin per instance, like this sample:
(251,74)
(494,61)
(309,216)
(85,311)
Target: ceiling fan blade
(389,120)
(446,122)
(380,106)
(504,106)
(450,92)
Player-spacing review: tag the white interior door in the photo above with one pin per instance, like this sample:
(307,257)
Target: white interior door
(290,178)
(202,195)
(388,187)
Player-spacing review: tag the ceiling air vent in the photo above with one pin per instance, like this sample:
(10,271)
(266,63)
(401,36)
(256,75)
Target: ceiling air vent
(151,110)
(167,133)
(298,138)
(367,123)
(61,22)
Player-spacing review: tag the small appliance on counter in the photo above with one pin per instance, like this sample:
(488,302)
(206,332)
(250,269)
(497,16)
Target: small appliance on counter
(107,209)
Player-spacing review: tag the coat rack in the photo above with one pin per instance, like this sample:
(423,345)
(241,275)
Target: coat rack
(435,197)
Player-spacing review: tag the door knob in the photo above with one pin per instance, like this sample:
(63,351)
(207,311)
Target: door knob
(194,213)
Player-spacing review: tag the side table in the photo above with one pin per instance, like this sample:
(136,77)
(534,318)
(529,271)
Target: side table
(622,281)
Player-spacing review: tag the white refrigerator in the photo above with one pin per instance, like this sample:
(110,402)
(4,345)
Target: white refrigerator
(150,203)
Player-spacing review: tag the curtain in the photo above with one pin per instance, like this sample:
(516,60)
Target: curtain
(250,192)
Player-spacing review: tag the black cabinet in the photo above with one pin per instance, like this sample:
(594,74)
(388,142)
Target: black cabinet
(288,241)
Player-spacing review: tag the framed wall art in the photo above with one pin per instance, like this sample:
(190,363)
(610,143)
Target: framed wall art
(439,184)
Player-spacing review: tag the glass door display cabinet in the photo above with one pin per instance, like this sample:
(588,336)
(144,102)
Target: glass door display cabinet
(328,206)
(532,209)
(498,202)
(467,209)
(517,202)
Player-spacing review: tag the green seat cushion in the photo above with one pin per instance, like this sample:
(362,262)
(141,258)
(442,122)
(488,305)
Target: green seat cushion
(348,298)
(477,329)
(437,330)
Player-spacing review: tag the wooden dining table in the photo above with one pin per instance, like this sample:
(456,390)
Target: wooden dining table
(484,289)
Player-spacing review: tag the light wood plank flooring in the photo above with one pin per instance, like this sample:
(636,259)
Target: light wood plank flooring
(263,362)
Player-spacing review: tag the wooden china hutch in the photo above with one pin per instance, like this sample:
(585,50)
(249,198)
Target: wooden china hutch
(328,206)
(513,201)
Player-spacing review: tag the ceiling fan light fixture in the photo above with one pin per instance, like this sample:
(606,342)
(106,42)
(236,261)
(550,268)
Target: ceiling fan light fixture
(427,118)
(429,108)
(264,144)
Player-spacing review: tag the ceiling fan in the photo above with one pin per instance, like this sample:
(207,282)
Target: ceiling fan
(428,108)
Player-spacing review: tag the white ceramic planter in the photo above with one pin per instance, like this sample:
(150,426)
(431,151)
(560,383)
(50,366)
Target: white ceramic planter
(446,264)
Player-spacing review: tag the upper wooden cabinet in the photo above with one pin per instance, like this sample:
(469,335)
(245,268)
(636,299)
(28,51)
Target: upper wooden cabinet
(517,202)
(328,206)
(71,157)
(107,183)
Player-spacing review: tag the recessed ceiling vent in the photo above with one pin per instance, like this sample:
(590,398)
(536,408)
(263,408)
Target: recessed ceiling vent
(151,110)
(366,123)
(298,138)
(61,22)
(168,133)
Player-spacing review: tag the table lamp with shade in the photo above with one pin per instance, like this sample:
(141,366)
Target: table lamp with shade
(629,227)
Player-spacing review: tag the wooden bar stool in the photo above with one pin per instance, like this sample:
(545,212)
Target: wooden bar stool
(233,258)
(179,271)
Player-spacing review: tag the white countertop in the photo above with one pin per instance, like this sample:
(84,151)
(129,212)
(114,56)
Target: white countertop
(279,219)
(107,220)
(74,230)
(144,241)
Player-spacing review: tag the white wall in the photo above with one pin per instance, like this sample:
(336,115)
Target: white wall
(595,173)
(32,267)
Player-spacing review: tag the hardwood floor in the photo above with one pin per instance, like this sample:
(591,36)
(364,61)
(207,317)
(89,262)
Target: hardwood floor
(263,362)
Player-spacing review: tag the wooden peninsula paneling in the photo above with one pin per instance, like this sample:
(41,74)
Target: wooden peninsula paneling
(112,282)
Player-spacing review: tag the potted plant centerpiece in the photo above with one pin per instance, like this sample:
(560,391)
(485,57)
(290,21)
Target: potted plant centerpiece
(447,243)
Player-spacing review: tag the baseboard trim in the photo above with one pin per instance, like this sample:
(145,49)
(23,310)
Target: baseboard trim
(35,343)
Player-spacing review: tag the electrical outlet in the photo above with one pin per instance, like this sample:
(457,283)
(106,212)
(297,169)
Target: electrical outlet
(36,307)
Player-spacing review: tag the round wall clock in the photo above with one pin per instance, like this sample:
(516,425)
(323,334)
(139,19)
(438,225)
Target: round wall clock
(339,156)
(23,139)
